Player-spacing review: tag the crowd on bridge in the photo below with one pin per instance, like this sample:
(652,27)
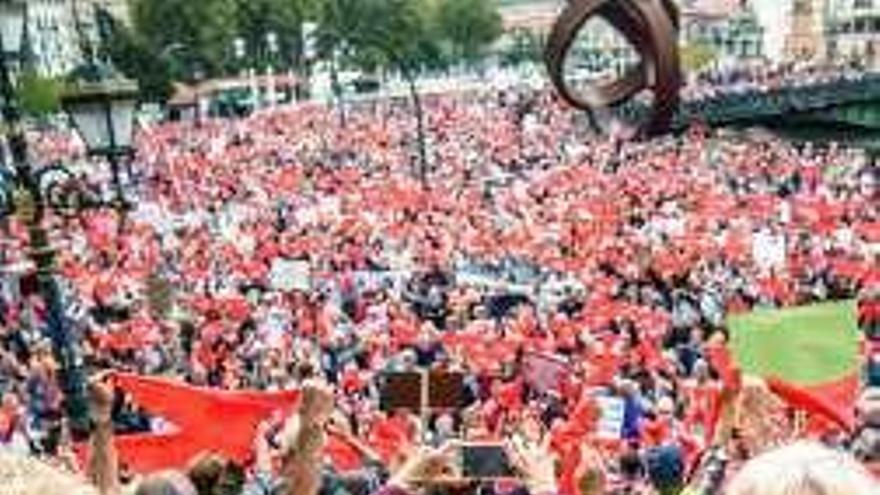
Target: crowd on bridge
(761,77)
(760,93)
(292,247)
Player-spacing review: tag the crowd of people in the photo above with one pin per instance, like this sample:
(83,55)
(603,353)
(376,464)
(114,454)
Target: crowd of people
(761,77)
(293,246)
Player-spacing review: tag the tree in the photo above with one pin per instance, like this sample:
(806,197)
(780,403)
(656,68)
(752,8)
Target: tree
(469,26)
(393,35)
(397,35)
(337,22)
(257,18)
(39,96)
(133,56)
(206,28)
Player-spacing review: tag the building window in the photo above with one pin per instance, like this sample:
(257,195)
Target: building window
(863,4)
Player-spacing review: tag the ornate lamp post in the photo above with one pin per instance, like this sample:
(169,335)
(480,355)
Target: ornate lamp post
(272,51)
(102,107)
(30,193)
(12,22)
(239,51)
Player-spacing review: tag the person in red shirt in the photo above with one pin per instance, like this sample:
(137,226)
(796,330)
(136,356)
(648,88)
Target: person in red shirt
(11,418)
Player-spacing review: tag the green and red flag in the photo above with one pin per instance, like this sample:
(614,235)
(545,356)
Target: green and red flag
(808,355)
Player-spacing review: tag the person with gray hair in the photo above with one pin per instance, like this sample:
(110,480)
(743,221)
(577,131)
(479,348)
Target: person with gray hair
(866,440)
(22,475)
(166,483)
(803,469)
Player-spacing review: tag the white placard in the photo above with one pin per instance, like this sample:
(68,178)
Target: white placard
(290,275)
(611,415)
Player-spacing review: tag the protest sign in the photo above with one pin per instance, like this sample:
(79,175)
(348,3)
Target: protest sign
(611,411)
(290,275)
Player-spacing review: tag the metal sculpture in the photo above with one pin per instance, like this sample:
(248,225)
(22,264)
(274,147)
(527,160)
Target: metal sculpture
(651,27)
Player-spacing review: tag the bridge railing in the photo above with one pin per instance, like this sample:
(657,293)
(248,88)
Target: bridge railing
(751,105)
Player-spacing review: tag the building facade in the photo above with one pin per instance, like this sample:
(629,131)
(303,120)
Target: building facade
(51,37)
(55,29)
(119,9)
(536,16)
(731,30)
(853,30)
(805,30)
(598,51)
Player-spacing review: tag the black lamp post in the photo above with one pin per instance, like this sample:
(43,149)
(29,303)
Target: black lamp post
(27,192)
(102,107)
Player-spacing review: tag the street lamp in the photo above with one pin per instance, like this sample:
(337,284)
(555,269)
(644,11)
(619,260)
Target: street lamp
(102,105)
(272,43)
(272,51)
(102,110)
(239,50)
(27,192)
(12,21)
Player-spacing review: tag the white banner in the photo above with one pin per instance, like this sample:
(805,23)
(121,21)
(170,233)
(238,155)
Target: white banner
(610,424)
(290,275)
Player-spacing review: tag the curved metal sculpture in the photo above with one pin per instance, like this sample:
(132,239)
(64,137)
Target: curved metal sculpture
(651,27)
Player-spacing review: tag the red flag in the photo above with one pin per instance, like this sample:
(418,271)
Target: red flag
(800,398)
(343,456)
(206,420)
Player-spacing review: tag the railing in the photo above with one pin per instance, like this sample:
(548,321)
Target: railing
(754,105)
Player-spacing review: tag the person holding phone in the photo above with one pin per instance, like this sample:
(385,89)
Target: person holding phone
(532,464)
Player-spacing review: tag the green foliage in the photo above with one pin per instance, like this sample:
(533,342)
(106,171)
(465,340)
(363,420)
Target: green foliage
(181,39)
(134,57)
(258,18)
(697,56)
(407,35)
(205,28)
(39,96)
(371,34)
(468,25)
(337,21)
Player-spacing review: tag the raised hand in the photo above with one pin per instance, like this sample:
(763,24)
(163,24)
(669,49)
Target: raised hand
(304,439)
(103,462)
(317,403)
(535,464)
(101,398)
(426,466)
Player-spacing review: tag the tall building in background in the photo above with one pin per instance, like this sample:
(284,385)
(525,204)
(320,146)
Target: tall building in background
(56,28)
(51,37)
(805,30)
(536,16)
(853,30)
(730,29)
(119,9)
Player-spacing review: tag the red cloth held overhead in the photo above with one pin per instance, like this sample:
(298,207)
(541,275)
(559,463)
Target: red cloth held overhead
(206,420)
